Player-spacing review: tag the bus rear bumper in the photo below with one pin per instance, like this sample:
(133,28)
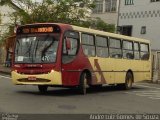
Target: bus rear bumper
(52,78)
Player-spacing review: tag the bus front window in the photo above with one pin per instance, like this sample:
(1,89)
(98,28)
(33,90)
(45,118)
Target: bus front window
(36,49)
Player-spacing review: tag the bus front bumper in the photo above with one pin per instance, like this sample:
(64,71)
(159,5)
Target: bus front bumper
(52,78)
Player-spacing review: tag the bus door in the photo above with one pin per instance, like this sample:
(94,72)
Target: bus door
(70,65)
(145,57)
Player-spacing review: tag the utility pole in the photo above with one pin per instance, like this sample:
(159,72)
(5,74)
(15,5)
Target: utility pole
(119,3)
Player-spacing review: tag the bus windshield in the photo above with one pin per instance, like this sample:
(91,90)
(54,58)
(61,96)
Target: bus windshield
(36,49)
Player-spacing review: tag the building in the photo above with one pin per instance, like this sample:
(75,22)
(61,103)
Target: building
(5,11)
(107,10)
(5,22)
(140,18)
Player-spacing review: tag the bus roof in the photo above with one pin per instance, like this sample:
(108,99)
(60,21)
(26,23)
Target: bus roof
(114,35)
(96,32)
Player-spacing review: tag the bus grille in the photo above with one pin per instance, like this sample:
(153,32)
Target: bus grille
(37,80)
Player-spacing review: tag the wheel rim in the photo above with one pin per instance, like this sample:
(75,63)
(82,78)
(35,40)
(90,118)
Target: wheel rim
(129,81)
(84,84)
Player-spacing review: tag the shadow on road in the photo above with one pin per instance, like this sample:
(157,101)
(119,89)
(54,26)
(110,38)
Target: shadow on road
(61,92)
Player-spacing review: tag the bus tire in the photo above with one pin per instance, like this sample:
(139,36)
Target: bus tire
(83,83)
(128,82)
(42,88)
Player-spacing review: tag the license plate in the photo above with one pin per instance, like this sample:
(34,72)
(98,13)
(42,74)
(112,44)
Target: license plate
(32,78)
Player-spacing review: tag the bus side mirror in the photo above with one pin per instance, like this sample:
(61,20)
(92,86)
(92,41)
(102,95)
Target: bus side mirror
(11,52)
(68,44)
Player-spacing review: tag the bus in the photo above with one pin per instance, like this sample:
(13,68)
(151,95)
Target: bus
(56,54)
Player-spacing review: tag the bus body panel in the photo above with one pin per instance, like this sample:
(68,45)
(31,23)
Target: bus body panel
(52,78)
(72,71)
(102,69)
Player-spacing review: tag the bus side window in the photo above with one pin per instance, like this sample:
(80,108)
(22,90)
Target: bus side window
(88,44)
(128,50)
(101,46)
(115,49)
(70,46)
(136,51)
(144,51)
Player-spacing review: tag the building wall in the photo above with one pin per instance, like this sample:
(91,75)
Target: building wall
(107,14)
(142,13)
(5,10)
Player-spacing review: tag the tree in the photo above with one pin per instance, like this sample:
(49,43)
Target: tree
(101,25)
(3,2)
(66,11)
(76,12)
(10,27)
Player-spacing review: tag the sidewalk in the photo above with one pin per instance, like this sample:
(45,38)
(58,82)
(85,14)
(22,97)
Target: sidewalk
(5,70)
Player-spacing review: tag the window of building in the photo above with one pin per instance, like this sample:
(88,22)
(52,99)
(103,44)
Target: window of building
(101,46)
(98,6)
(129,2)
(144,51)
(88,44)
(136,51)
(111,5)
(126,30)
(143,30)
(155,0)
(115,48)
(128,50)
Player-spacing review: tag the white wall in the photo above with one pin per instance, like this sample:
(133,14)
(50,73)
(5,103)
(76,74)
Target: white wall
(5,11)
(148,14)
(108,17)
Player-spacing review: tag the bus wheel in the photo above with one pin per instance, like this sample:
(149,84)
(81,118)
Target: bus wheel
(128,82)
(83,83)
(42,88)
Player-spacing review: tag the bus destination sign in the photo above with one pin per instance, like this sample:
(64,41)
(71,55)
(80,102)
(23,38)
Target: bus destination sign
(38,29)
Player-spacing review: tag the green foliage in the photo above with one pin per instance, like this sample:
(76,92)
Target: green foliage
(74,12)
(64,11)
(3,2)
(97,24)
(6,34)
(101,25)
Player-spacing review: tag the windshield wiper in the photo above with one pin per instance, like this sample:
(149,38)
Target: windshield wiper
(46,48)
(17,50)
(29,51)
(36,48)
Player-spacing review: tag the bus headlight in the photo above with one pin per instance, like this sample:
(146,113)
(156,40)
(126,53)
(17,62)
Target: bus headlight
(52,71)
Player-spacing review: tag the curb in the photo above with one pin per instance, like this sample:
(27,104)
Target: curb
(150,81)
(6,73)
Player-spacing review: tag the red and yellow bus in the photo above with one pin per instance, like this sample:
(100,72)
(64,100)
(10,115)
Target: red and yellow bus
(55,54)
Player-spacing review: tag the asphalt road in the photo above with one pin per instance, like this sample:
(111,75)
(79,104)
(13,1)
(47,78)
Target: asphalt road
(143,98)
